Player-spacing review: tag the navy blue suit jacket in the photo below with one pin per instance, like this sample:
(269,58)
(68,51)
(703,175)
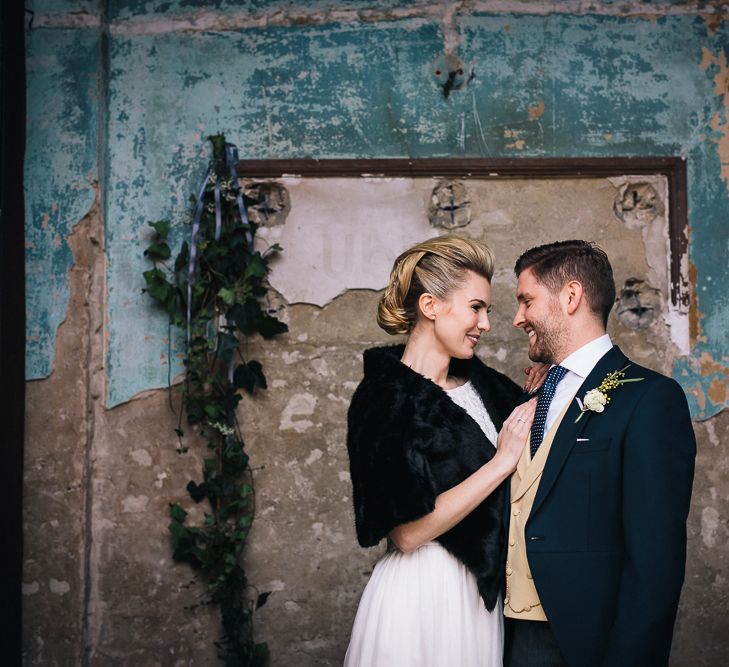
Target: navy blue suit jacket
(606,536)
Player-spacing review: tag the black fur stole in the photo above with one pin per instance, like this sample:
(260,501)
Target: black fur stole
(408,442)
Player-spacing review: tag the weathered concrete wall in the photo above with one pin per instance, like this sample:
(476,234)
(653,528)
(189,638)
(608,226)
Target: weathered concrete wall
(59,431)
(98,583)
(122,94)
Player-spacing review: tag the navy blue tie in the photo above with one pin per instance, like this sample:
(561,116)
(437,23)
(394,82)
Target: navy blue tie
(556,373)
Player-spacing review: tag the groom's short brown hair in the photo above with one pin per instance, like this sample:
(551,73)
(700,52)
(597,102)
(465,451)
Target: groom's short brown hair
(555,264)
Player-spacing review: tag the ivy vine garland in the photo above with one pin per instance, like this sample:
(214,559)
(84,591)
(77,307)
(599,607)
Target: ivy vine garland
(216,289)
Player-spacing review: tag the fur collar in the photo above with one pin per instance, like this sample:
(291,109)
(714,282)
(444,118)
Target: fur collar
(382,365)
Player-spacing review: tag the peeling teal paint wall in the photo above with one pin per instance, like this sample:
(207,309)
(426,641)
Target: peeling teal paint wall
(62,109)
(609,86)
(128,9)
(47,8)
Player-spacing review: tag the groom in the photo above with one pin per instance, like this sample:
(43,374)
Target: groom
(598,503)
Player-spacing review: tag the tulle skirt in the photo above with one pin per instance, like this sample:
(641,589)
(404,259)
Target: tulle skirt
(423,609)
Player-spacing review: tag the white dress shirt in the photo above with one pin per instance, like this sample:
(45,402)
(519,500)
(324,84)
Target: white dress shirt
(579,365)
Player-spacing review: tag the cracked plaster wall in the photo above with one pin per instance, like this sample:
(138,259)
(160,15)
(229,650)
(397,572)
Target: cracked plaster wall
(123,94)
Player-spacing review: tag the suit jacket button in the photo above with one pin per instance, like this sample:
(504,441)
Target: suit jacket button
(512,543)
(508,570)
(506,600)
(529,575)
(517,512)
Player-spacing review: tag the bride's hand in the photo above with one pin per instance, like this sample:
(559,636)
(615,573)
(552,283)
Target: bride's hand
(536,375)
(513,435)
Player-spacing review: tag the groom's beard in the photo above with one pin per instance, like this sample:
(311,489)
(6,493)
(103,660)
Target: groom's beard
(551,336)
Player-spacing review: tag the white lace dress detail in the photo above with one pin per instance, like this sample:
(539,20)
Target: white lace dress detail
(467,397)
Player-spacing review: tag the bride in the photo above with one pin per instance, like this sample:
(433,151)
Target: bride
(422,427)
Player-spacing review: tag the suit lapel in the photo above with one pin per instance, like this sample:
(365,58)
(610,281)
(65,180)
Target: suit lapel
(517,483)
(569,431)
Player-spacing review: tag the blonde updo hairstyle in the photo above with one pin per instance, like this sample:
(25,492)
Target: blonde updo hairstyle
(436,266)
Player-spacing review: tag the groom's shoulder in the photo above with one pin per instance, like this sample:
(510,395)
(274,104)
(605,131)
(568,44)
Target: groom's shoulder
(651,379)
(635,369)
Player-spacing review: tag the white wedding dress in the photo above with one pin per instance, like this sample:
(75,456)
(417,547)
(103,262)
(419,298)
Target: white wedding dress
(423,609)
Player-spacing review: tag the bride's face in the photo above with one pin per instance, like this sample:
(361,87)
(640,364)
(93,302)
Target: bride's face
(463,316)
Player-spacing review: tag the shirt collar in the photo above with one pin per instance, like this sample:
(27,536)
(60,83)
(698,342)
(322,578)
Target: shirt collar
(582,361)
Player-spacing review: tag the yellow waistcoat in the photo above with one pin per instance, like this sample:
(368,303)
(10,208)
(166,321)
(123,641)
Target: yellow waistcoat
(521,600)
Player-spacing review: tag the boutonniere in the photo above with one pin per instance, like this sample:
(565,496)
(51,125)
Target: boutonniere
(597,399)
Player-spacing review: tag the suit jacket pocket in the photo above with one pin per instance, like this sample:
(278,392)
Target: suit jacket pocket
(586,445)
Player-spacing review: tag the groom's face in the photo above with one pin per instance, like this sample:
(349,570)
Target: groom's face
(540,315)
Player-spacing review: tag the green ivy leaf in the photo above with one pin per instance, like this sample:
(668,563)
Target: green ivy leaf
(158,251)
(270,326)
(256,267)
(238,239)
(184,545)
(197,491)
(230,401)
(176,529)
(235,459)
(183,258)
(195,408)
(214,411)
(246,316)
(162,227)
(218,142)
(160,289)
(227,295)
(177,513)
(249,376)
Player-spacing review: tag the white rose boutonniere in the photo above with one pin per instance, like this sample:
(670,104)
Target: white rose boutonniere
(596,400)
